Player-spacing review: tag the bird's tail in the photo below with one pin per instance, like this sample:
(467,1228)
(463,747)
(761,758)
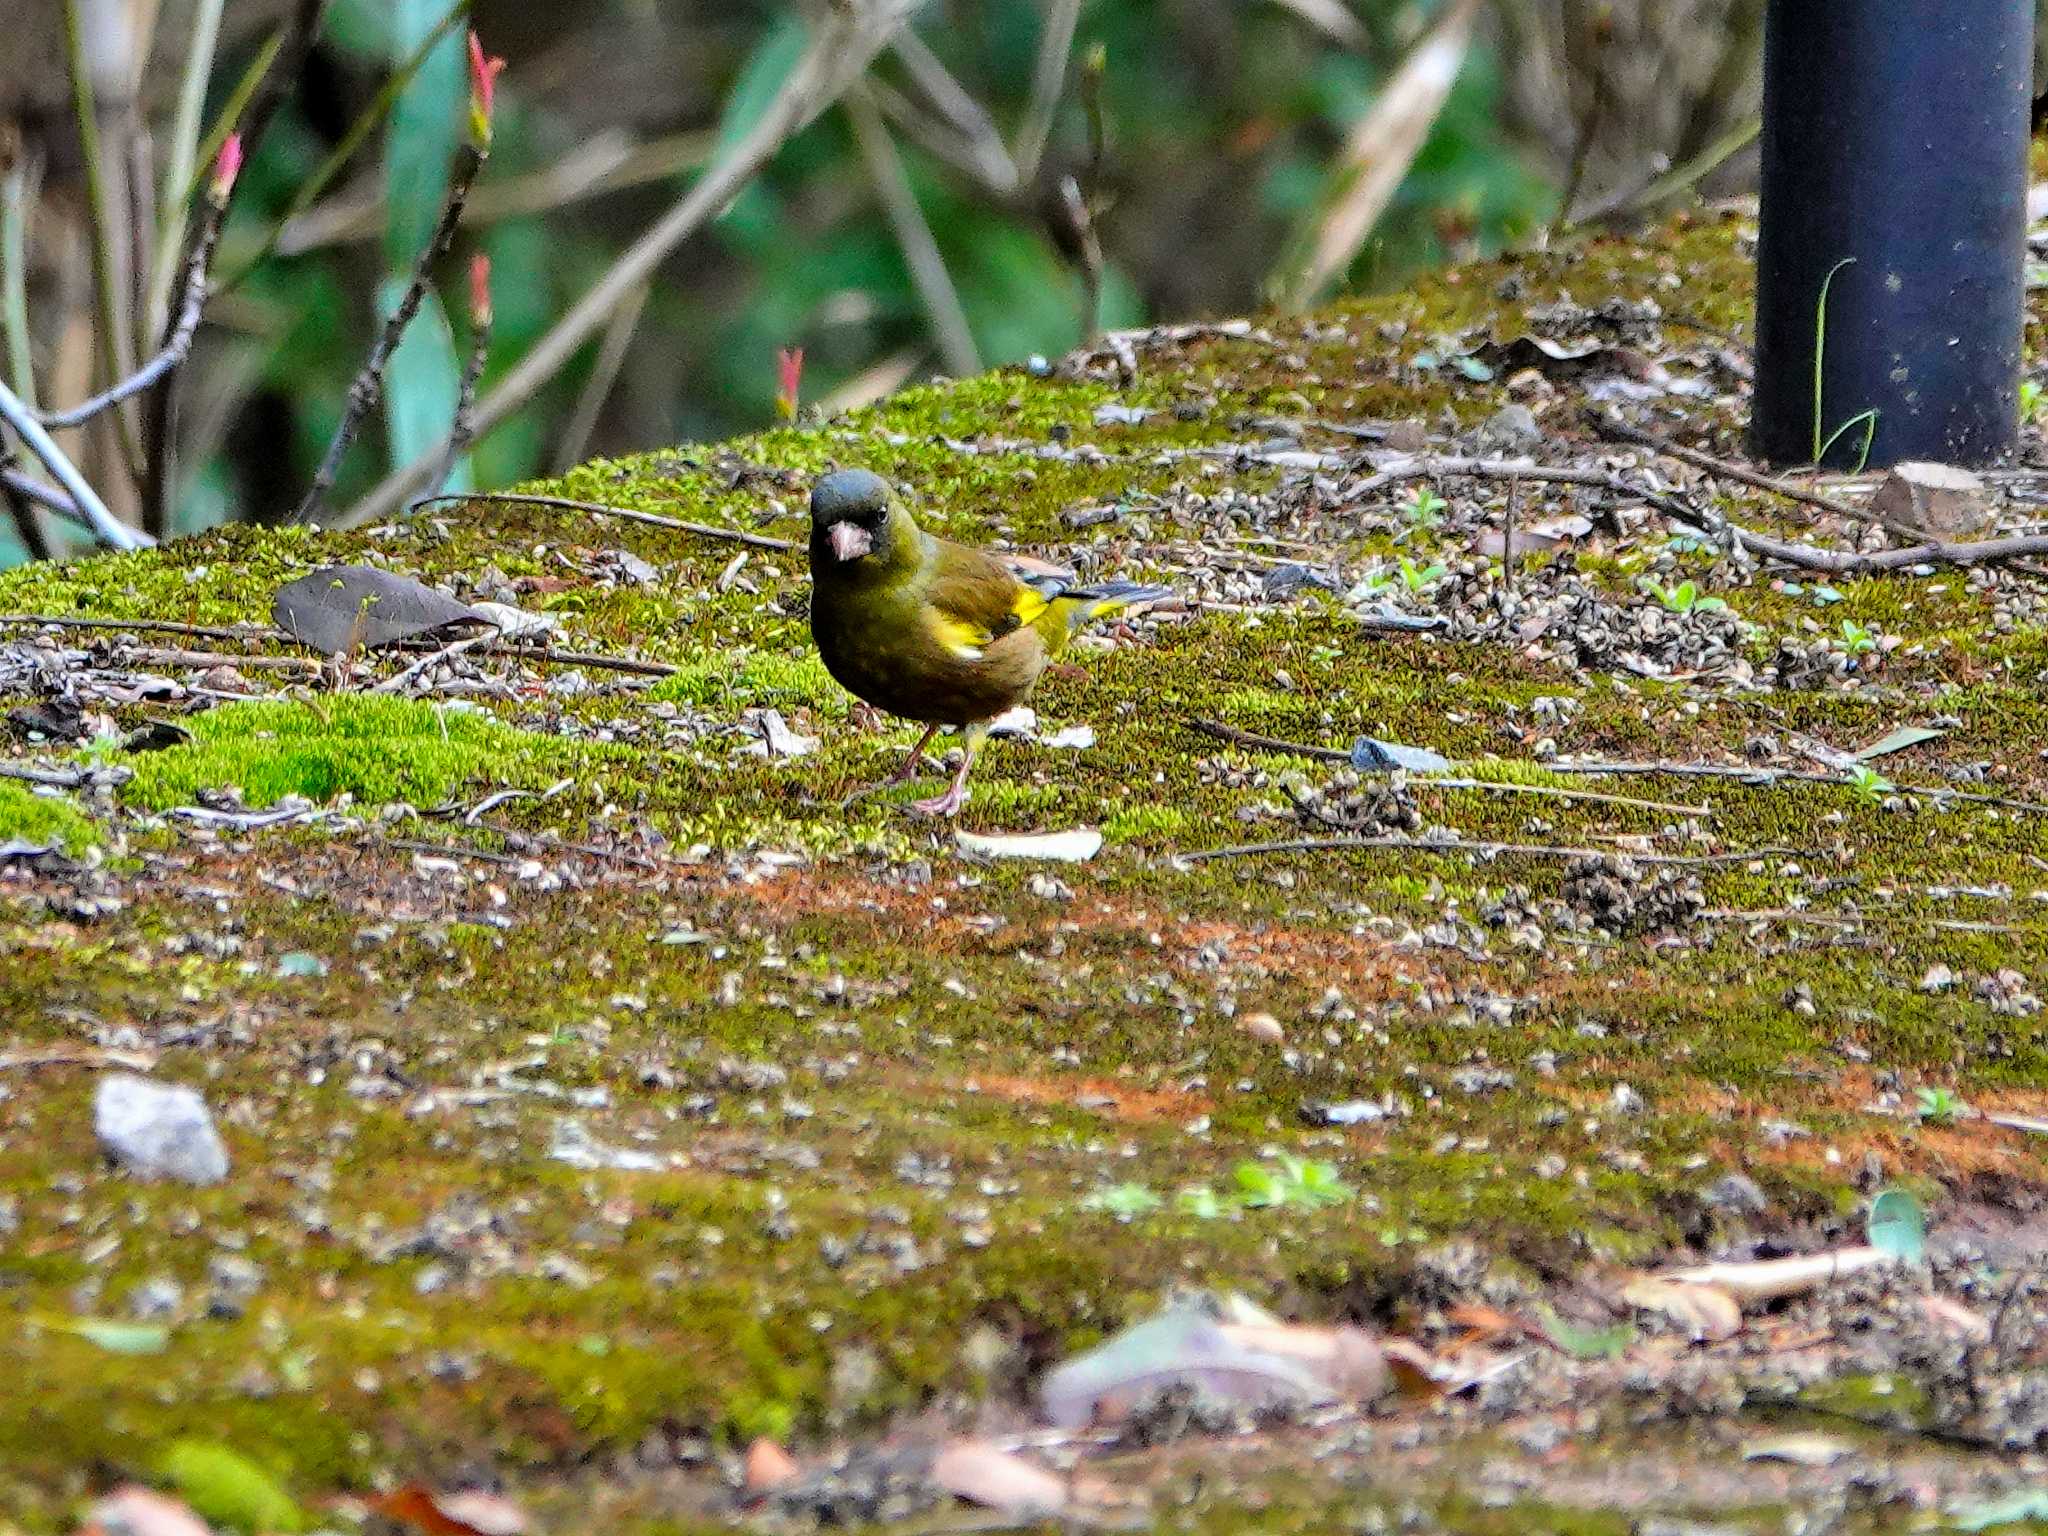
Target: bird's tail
(1083,605)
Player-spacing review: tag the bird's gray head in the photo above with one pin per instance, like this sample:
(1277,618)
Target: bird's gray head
(848,509)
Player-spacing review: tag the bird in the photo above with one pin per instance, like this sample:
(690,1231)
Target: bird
(934,631)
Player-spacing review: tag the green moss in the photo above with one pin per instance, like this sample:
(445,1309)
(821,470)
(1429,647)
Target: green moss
(372,748)
(776,679)
(43,819)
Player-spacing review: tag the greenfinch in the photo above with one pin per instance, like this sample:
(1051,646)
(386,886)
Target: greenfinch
(931,630)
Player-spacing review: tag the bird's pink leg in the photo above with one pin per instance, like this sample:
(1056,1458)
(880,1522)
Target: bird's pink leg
(902,775)
(955,796)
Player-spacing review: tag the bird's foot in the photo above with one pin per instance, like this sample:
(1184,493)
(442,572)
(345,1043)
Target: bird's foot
(903,775)
(947,804)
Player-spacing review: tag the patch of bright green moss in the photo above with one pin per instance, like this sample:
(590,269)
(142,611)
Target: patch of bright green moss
(43,819)
(372,748)
(770,678)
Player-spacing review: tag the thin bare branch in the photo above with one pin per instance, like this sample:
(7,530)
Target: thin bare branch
(939,140)
(842,46)
(17,197)
(1048,85)
(604,374)
(1478,849)
(182,160)
(1331,18)
(1377,155)
(625,514)
(184,326)
(957,106)
(610,162)
(109,529)
(913,235)
(368,387)
(28,523)
(462,432)
(373,113)
(112,331)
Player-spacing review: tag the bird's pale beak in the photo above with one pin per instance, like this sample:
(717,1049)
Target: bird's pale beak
(850,541)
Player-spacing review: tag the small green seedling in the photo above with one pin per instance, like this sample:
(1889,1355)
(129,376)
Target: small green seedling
(1419,578)
(1126,1202)
(1296,1181)
(1683,598)
(1868,783)
(1857,640)
(2031,397)
(1425,509)
(1201,1202)
(1937,1106)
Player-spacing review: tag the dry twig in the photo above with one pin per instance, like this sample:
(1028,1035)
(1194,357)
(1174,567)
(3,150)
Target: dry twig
(369,383)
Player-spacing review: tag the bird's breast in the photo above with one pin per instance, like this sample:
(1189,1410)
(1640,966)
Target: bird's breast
(907,670)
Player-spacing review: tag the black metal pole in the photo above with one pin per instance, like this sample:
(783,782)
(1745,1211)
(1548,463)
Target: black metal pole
(1894,187)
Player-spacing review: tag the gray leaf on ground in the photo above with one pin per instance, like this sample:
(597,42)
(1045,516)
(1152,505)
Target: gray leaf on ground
(777,739)
(348,607)
(1246,1366)
(516,623)
(574,1145)
(158,1130)
(1075,847)
(1896,741)
(1370,755)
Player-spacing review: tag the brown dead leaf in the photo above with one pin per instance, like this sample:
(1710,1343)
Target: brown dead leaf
(136,1511)
(1703,1311)
(469,1512)
(1552,533)
(1482,1322)
(768,1467)
(997,1479)
(1954,1317)
(1347,1360)
(1412,1368)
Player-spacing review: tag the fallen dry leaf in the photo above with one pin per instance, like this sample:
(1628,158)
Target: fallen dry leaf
(1956,1318)
(136,1511)
(1703,1311)
(469,1512)
(1244,1364)
(768,1467)
(1349,1361)
(1551,533)
(985,1474)
(1771,1279)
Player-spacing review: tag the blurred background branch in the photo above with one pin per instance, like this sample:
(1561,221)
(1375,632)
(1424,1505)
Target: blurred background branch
(670,201)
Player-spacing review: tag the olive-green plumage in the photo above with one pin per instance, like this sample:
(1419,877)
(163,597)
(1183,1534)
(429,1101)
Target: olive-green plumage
(928,629)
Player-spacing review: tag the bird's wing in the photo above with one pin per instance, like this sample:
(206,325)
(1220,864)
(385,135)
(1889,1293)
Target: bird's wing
(971,601)
(1035,572)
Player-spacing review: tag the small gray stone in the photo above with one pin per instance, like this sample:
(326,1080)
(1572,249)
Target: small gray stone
(1511,429)
(158,1296)
(158,1130)
(1737,1192)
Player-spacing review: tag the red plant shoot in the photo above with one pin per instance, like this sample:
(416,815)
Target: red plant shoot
(480,290)
(226,167)
(483,89)
(789,367)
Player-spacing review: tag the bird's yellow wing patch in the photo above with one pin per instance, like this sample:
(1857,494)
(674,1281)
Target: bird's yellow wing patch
(1029,604)
(963,637)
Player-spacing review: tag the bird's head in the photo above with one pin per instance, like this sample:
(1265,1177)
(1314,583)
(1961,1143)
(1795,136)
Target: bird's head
(850,517)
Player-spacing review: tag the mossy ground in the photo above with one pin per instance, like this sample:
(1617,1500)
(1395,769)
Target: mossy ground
(879,1082)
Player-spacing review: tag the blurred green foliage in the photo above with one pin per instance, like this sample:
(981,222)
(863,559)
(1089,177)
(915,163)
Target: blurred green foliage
(1224,118)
